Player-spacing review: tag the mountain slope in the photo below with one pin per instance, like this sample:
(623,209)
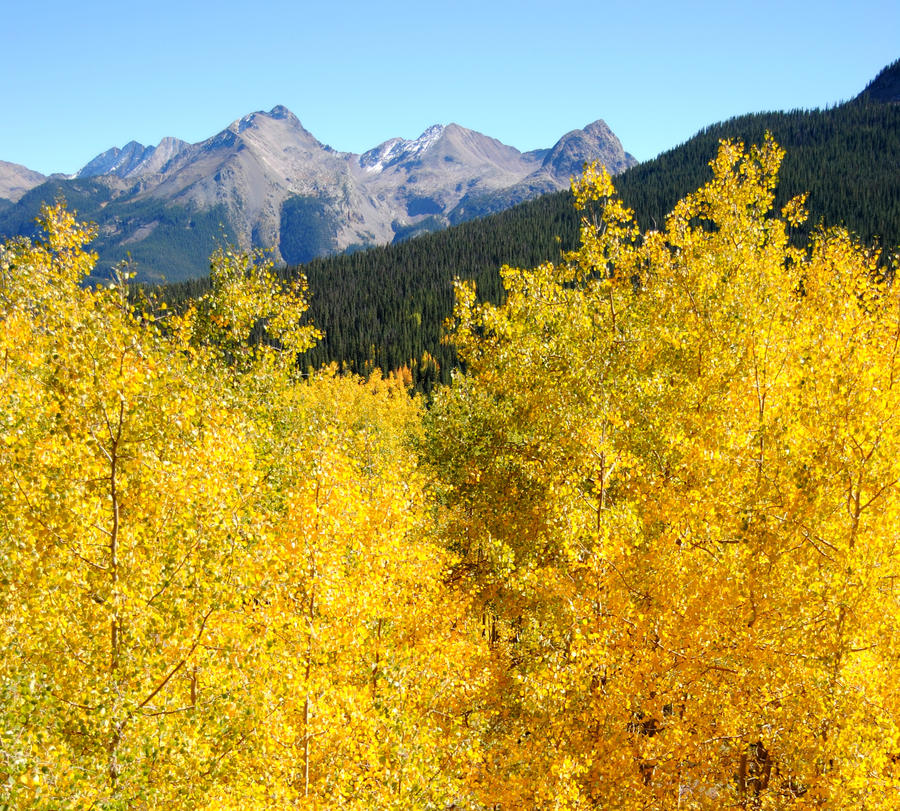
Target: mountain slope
(272,184)
(16,179)
(885,87)
(134,159)
(385,307)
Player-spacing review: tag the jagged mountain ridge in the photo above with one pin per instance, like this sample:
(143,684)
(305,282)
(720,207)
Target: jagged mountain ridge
(273,184)
(134,159)
(385,307)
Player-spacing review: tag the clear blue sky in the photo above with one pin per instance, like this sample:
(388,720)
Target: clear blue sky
(78,78)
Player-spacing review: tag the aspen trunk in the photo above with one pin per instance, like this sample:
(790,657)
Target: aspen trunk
(115,622)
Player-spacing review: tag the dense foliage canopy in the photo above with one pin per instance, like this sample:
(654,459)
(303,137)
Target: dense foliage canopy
(671,475)
(215,592)
(641,554)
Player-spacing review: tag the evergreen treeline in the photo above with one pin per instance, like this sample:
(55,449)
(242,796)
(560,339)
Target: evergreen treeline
(385,307)
(845,157)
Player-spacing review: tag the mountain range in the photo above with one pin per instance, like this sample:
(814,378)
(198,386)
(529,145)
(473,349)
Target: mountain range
(265,181)
(385,307)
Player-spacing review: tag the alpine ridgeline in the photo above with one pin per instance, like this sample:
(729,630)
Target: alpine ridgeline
(267,182)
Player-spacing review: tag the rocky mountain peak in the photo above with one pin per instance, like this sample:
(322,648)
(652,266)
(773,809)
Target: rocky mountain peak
(276,185)
(114,161)
(398,150)
(278,113)
(596,142)
(599,129)
(133,160)
(281,112)
(268,130)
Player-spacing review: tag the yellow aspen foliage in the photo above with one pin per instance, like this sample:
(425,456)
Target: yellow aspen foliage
(123,483)
(355,657)
(216,590)
(650,563)
(248,314)
(670,473)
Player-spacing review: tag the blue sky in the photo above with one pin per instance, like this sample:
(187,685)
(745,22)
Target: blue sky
(78,78)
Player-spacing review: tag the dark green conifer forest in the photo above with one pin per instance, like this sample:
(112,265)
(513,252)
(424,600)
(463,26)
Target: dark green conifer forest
(385,307)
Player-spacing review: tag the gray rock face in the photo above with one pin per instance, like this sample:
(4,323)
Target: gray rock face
(390,189)
(283,189)
(267,158)
(596,142)
(133,160)
(16,179)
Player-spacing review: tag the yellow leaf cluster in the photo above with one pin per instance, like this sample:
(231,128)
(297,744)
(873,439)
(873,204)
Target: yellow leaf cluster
(642,554)
(216,589)
(671,475)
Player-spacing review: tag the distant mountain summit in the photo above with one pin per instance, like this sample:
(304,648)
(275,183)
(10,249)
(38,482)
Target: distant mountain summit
(266,181)
(596,142)
(397,150)
(134,159)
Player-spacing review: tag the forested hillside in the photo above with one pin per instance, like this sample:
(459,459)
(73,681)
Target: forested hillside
(385,307)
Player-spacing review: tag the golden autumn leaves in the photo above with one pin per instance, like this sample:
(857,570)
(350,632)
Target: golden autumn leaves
(671,473)
(642,554)
(215,590)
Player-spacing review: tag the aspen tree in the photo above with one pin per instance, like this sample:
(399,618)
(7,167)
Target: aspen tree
(128,487)
(671,473)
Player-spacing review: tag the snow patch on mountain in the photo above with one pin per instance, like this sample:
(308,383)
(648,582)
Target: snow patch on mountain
(279,187)
(396,150)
